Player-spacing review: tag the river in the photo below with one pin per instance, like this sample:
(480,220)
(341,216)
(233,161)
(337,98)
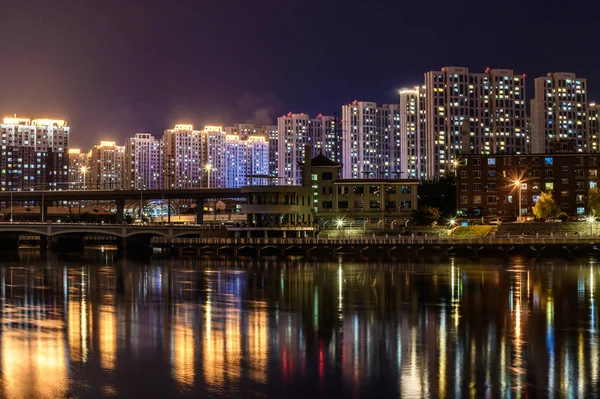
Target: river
(101,325)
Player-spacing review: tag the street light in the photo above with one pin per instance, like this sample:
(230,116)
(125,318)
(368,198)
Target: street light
(452,222)
(591,219)
(339,224)
(208,167)
(518,185)
(83,171)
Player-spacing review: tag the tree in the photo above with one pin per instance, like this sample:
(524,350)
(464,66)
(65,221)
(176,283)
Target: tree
(439,193)
(425,216)
(593,201)
(545,207)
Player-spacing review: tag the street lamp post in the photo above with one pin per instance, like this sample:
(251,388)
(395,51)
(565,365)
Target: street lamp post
(83,171)
(339,224)
(208,168)
(518,185)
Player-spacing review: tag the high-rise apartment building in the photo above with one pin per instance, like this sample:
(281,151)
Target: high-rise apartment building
(213,156)
(78,169)
(466,112)
(182,158)
(246,159)
(34,154)
(593,126)
(273,140)
(297,130)
(559,113)
(409,143)
(142,163)
(245,130)
(106,166)
(369,134)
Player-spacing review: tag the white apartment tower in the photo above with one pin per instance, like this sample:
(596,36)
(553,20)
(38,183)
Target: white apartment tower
(245,130)
(106,166)
(213,156)
(259,158)
(472,112)
(294,132)
(245,158)
(143,163)
(369,136)
(34,154)
(409,144)
(182,158)
(559,113)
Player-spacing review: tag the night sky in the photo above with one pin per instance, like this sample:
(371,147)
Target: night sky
(116,67)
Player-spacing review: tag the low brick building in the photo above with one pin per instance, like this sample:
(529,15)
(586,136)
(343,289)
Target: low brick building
(487,184)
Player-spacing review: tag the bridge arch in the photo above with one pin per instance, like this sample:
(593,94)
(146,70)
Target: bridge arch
(27,230)
(148,232)
(103,232)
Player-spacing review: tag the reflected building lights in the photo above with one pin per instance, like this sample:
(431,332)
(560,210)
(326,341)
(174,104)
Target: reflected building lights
(258,344)
(440,331)
(340,291)
(593,333)
(107,336)
(518,364)
(183,348)
(233,340)
(442,337)
(580,366)
(33,361)
(550,343)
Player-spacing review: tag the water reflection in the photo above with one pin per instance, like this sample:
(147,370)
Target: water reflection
(261,329)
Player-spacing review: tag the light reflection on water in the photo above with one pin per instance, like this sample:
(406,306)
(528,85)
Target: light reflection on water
(169,328)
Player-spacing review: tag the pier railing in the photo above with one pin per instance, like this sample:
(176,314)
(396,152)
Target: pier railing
(391,240)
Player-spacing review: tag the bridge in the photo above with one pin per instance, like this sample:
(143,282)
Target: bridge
(120,196)
(497,246)
(76,231)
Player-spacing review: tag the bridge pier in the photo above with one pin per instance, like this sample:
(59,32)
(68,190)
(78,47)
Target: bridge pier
(43,211)
(120,209)
(199,211)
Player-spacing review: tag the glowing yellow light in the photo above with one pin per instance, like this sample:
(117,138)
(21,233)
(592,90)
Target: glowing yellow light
(409,91)
(184,127)
(74,151)
(232,137)
(13,120)
(517,182)
(339,223)
(257,138)
(108,143)
(83,169)
(208,167)
(49,122)
(213,128)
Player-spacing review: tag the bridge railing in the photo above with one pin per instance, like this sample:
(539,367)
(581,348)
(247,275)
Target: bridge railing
(395,240)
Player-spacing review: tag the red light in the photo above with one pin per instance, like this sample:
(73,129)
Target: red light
(524,74)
